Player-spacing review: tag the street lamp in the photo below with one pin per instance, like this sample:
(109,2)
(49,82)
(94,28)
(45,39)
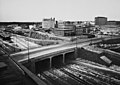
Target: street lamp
(76,43)
(28,50)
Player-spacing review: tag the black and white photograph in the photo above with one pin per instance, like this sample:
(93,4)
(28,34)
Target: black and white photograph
(59,42)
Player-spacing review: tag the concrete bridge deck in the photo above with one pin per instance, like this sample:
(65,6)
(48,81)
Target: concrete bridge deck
(42,53)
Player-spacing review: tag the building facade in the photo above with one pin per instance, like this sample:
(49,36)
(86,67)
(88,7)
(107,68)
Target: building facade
(111,23)
(48,23)
(63,32)
(65,29)
(100,20)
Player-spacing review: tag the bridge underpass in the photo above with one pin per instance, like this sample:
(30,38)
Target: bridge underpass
(54,61)
(46,66)
(50,60)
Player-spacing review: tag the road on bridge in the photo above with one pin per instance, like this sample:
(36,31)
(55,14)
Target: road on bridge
(34,53)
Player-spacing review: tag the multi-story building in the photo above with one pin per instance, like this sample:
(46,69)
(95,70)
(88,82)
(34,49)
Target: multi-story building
(63,32)
(65,29)
(79,30)
(66,25)
(100,20)
(48,23)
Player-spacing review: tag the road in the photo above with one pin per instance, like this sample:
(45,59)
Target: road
(34,53)
(22,43)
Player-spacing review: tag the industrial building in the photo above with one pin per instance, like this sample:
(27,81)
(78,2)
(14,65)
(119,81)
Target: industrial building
(65,29)
(100,20)
(48,23)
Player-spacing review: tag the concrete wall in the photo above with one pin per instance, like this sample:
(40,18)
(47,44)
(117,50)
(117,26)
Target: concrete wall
(91,56)
(113,57)
(95,57)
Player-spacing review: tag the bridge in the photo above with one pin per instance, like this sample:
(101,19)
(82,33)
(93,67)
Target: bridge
(49,56)
(53,49)
(52,54)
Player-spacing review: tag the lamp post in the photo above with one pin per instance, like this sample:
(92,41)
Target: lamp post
(76,44)
(28,52)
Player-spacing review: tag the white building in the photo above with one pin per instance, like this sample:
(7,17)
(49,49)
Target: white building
(48,23)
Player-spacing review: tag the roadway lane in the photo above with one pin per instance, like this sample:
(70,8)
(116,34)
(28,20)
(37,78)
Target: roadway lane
(45,52)
(22,43)
(79,41)
(34,53)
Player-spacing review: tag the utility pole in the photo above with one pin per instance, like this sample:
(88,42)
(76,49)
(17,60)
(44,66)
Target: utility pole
(76,53)
(29,61)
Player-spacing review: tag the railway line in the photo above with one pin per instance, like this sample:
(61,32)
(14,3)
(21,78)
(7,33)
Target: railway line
(78,73)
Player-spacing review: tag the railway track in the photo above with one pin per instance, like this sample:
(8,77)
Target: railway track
(78,78)
(65,78)
(99,71)
(77,73)
(55,80)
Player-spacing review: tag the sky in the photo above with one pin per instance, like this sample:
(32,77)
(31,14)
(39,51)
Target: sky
(73,10)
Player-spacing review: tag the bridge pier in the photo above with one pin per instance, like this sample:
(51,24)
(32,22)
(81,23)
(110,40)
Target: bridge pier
(63,58)
(76,53)
(50,62)
(40,64)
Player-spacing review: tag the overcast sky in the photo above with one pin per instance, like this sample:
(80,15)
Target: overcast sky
(36,10)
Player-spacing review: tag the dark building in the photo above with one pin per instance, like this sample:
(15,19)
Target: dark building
(118,23)
(111,23)
(100,20)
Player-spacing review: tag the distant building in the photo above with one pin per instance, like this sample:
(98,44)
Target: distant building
(63,32)
(79,31)
(66,25)
(100,20)
(48,23)
(110,29)
(65,28)
(118,23)
(111,23)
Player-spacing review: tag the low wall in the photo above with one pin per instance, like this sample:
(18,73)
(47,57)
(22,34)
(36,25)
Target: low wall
(91,56)
(95,57)
(114,57)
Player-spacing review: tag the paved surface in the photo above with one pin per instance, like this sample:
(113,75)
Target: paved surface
(34,53)
(22,43)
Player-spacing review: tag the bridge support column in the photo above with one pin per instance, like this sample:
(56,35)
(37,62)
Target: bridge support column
(63,58)
(50,62)
(76,53)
